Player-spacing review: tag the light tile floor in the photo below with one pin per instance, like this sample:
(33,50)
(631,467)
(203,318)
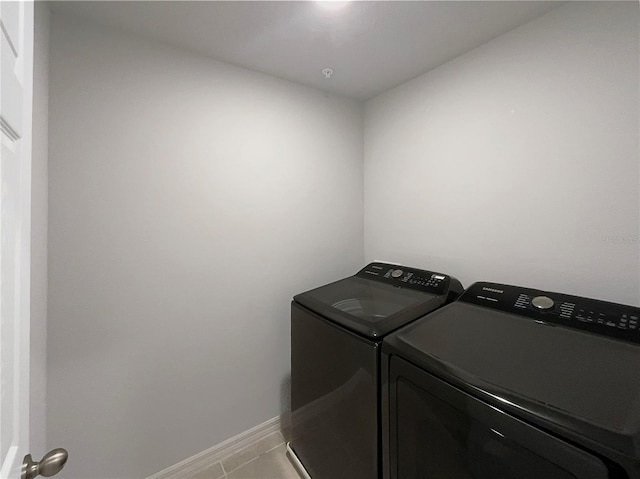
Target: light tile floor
(272,465)
(265,459)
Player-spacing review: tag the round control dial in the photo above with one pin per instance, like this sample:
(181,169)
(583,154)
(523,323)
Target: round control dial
(396,273)
(542,303)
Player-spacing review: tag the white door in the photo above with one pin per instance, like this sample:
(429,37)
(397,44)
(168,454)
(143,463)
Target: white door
(16,51)
(16,98)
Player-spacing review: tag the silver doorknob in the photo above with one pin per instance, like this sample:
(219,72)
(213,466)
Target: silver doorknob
(50,465)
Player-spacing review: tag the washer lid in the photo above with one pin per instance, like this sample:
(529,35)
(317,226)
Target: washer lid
(572,379)
(373,305)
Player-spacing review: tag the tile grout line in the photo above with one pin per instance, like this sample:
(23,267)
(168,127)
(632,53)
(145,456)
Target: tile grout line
(251,460)
(224,471)
(222,451)
(258,454)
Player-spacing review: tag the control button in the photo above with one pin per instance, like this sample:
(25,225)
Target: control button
(542,303)
(396,273)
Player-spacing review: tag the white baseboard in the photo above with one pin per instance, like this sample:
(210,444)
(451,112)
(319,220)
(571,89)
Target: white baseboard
(207,458)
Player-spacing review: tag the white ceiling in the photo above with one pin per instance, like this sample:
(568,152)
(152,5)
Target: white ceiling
(371,45)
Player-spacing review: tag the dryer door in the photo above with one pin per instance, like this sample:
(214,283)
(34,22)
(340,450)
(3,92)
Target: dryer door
(440,432)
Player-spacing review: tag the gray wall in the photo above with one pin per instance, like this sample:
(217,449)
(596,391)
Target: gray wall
(517,162)
(188,201)
(38,380)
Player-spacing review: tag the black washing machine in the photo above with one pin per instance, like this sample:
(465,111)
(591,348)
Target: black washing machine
(336,333)
(514,383)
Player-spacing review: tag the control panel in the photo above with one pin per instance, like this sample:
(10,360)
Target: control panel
(405,277)
(600,317)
